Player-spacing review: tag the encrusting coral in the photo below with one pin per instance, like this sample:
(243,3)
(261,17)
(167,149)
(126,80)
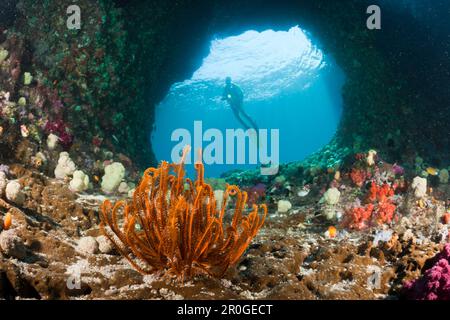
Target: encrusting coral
(173,224)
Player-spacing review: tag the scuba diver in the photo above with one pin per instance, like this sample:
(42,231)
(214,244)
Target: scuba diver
(235,97)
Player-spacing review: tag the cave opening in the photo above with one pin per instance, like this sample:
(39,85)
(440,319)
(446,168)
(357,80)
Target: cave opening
(289,85)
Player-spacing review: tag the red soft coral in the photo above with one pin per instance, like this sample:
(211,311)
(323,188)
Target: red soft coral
(359,217)
(380,193)
(379,210)
(385,212)
(358,176)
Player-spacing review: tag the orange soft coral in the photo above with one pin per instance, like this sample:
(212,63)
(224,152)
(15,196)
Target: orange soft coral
(7,222)
(385,212)
(359,217)
(381,194)
(173,224)
(385,208)
(380,208)
(446,218)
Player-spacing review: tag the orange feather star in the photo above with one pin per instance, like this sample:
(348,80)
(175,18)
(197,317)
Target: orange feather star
(175,225)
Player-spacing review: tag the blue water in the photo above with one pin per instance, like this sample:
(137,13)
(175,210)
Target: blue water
(288,84)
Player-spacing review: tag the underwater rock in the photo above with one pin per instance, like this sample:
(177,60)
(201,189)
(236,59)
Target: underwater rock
(383,235)
(419,186)
(3,183)
(304,191)
(443,176)
(80,181)
(52,141)
(315,170)
(14,192)
(88,245)
(284,206)
(114,173)
(280,180)
(331,196)
(104,245)
(12,245)
(408,235)
(65,167)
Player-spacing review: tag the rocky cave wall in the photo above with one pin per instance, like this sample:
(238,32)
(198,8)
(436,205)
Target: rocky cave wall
(103,81)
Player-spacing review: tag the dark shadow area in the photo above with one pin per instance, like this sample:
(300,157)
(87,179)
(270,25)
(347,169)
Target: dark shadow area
(7,13)
(418,52)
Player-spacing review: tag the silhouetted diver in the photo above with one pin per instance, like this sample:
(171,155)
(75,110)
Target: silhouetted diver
(235,97)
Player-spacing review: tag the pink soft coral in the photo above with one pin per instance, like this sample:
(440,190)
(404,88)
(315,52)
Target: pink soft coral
(60,128)
(435,282)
